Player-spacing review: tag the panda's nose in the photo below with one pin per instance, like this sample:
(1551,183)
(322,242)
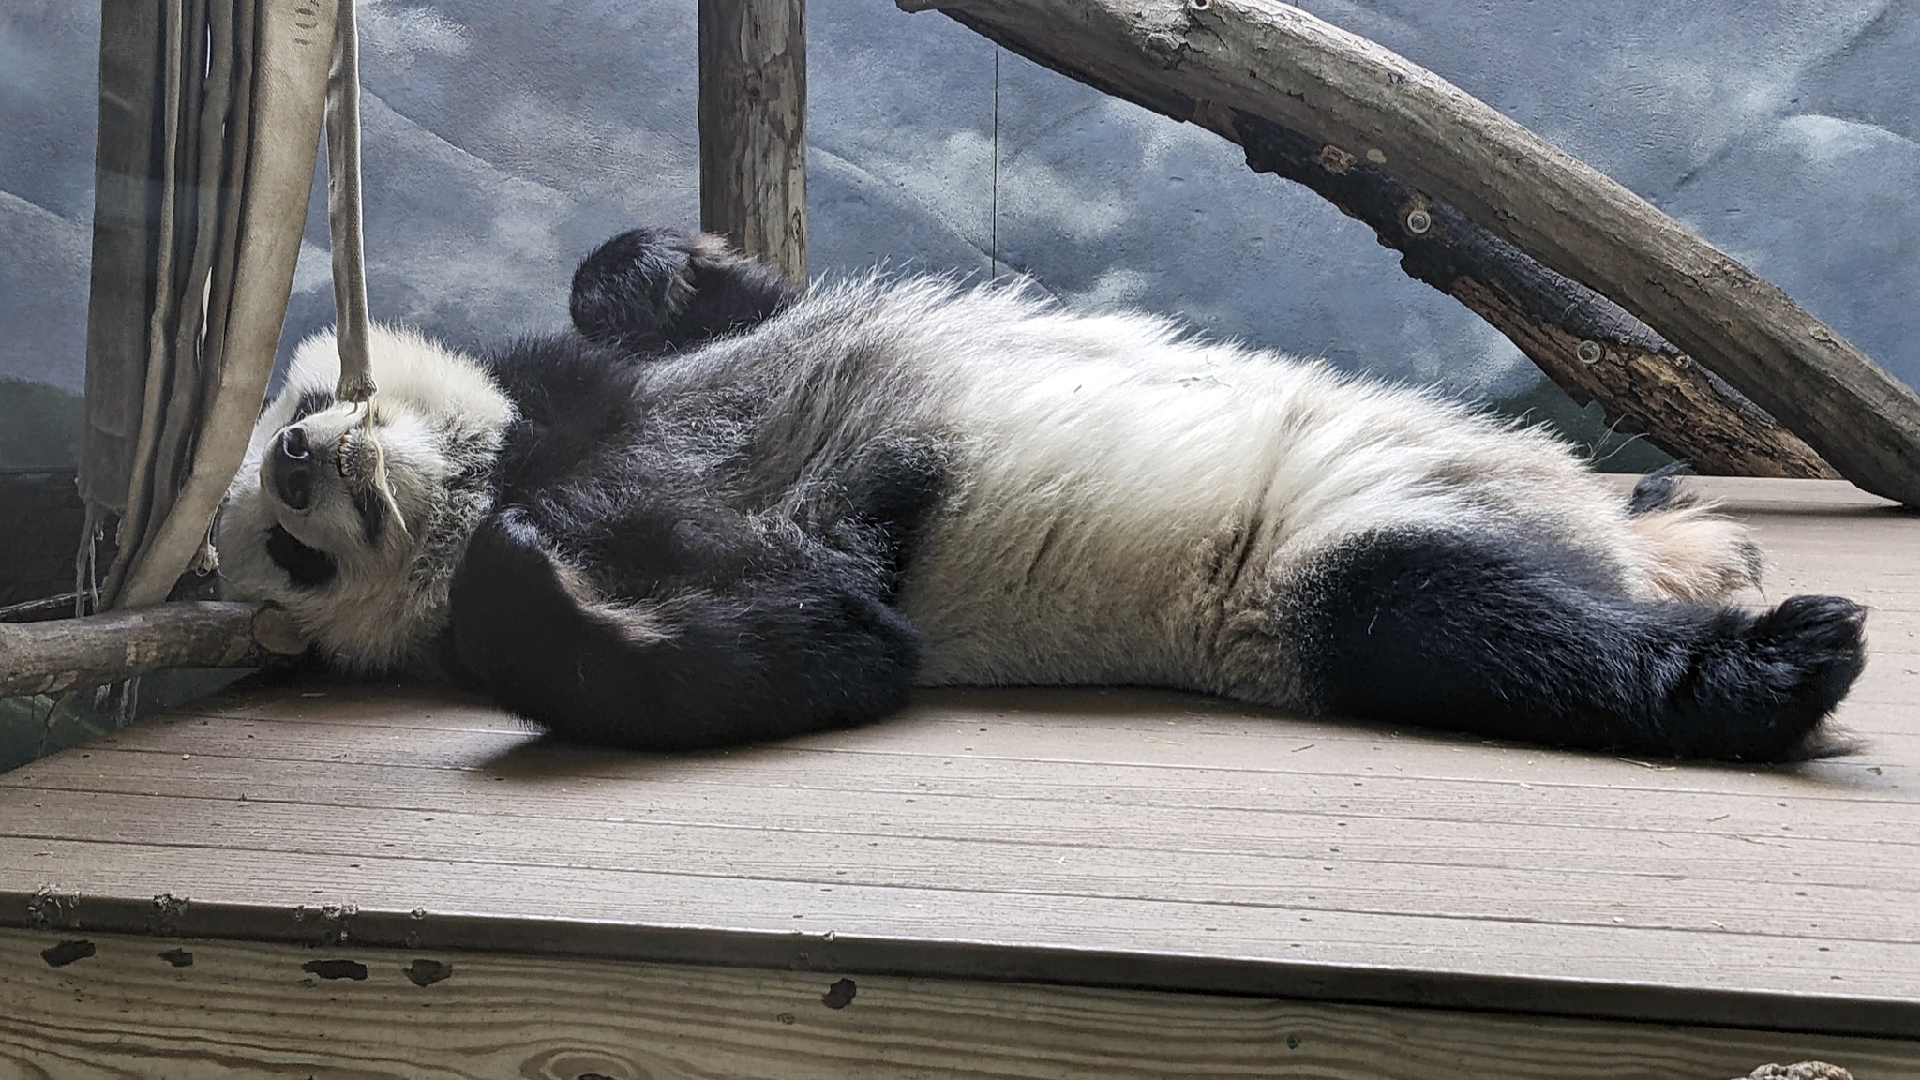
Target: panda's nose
(290,469)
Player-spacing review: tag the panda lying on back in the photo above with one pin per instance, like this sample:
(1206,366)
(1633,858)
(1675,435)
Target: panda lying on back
(723,511)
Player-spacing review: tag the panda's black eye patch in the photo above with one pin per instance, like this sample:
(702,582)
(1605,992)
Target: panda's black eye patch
(310,568)
(311,402)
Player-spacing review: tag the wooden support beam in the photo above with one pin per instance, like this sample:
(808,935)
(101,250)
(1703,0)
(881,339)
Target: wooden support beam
(127,1005)
(753,146)
(1280,65)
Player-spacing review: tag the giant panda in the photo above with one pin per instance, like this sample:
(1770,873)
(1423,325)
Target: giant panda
(721,510)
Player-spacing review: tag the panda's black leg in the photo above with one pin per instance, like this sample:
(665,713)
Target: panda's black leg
(806,645)
(1501,637)
(650,291)
(895,484)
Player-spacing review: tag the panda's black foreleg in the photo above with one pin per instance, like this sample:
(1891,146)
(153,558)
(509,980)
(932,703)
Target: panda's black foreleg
(652,291)
(1505,638)
(806,646)
(893,485)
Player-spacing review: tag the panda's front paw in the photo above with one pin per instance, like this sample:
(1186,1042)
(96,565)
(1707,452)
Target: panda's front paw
(628,290)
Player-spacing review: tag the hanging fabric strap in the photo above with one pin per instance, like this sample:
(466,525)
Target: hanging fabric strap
(227,181)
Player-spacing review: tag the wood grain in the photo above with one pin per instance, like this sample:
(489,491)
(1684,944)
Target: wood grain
(1099,837)
(753,145)
(1836,985)
(250,1010)
(1188,742)
(1284,66)
(1532,807)
(1296,873)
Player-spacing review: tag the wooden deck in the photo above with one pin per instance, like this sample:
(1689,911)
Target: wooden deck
(1011,883)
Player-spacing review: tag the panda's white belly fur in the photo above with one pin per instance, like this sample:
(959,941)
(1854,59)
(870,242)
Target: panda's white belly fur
(1128,502)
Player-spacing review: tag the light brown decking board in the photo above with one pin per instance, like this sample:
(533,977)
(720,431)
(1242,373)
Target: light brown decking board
(1107,838)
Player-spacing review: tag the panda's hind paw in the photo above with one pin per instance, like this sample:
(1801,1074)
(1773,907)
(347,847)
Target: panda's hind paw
(1764,690)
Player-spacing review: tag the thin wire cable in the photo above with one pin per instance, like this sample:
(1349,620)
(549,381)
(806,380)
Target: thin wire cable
(993,212)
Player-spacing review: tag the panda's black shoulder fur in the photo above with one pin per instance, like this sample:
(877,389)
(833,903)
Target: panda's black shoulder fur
(624,590)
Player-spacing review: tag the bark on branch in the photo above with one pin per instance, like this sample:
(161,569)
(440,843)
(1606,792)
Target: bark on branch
(1584,342)
(48,657)
(1223,63)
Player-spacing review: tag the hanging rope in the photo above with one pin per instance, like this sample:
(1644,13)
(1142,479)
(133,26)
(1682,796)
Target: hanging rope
(993,210)
(343,211)
(349,245)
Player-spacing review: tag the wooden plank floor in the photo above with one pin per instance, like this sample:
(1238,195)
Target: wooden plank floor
(1104,838)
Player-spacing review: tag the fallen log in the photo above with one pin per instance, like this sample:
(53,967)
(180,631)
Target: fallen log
(49,657)
(1201,60)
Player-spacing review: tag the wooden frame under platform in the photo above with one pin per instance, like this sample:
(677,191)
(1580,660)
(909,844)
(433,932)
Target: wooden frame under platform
(378,881)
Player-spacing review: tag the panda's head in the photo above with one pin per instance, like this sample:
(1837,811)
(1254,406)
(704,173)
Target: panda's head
(353,517)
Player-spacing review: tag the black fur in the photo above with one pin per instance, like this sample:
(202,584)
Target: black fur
(311,402)
(626,592)
(638,584)
(309,568)
(800,642)
(1513,638)
(1657,489)
(651,291)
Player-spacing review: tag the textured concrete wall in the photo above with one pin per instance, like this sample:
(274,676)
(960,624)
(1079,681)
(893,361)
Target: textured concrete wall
(503,140)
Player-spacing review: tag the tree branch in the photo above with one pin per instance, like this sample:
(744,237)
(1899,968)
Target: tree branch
(48,657)
(1584,342)
(1205,60)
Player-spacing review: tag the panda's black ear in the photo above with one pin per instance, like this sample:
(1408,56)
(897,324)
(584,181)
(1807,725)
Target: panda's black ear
(655,290)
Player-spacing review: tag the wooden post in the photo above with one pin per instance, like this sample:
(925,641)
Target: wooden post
(753,147)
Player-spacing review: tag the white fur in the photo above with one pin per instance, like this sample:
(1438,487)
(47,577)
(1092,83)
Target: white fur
(433,406)
(1109,472)
(1108,463)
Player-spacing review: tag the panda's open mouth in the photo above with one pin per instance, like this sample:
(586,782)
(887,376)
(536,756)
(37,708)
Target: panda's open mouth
(309,567)
(357,462)
(297,465)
